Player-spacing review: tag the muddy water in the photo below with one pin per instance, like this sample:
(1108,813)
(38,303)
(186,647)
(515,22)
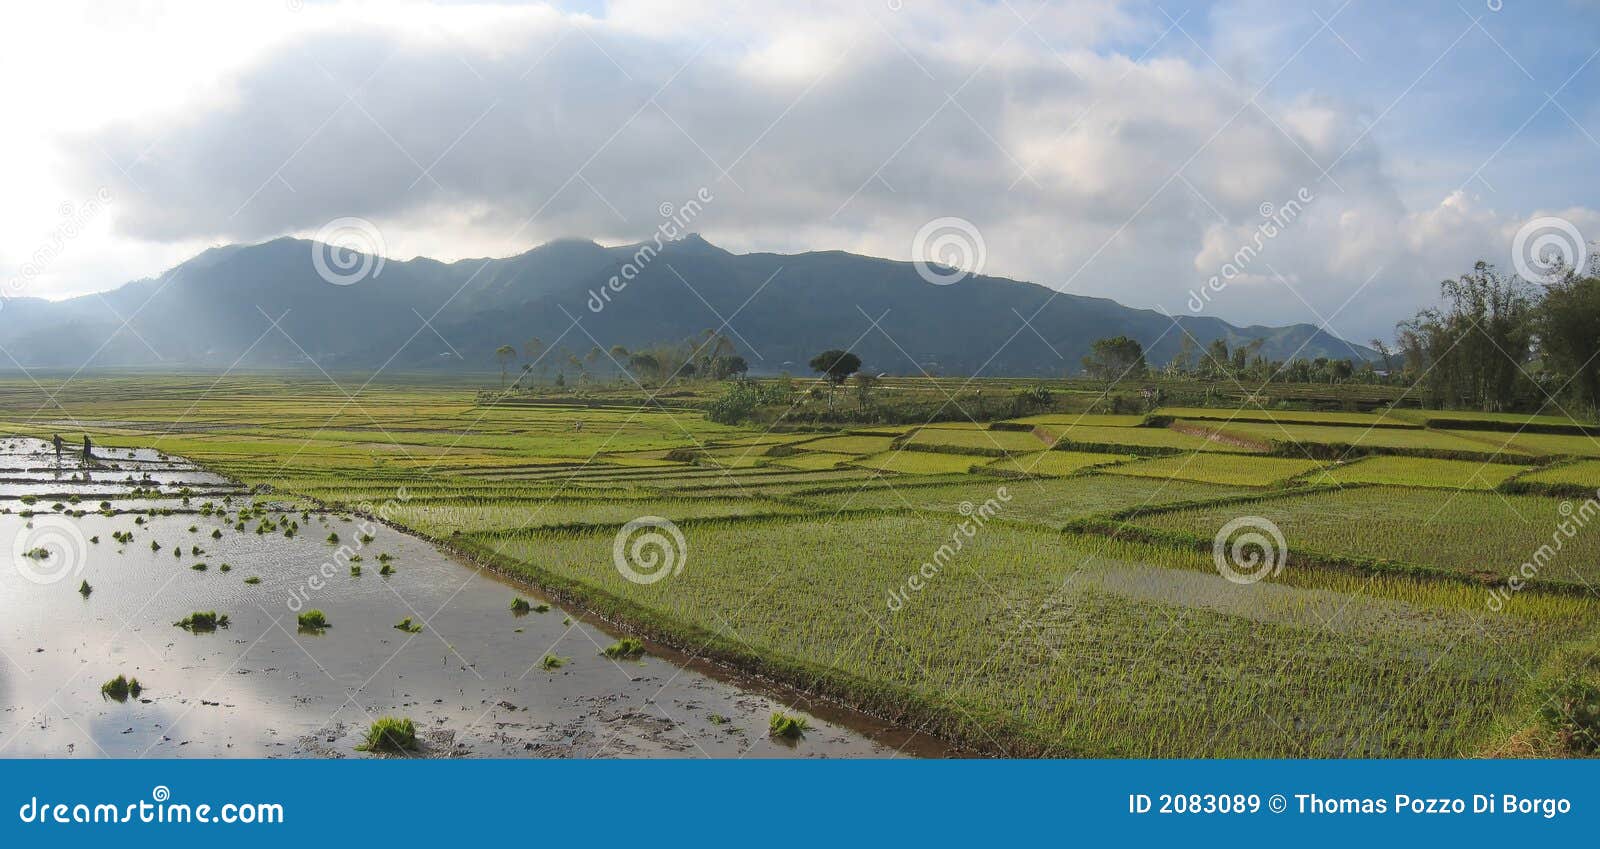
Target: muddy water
(471,679)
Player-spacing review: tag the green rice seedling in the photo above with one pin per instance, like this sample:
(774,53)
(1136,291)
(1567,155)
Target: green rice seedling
(253,579)
(202,621)
(541,607)
(920,462)
(224,568)
(1419,471)
(155,546)
(95,539)
(787,726)
(550,661)
(355,570)
(385,557)
(1219,468)
(84,589)
(333,539)
(121,688)
(198,567)
(390,734)
(194,529)
(718,719)
(216,533)
(1467,533)
(40,553)
(520,605)
(1053,463)
(408,626)
(627,647)
(312,620)
(386,570)
(366,538)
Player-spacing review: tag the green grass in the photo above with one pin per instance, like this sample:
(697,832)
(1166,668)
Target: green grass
(977,440)
(312,620)
(1353,440)
(1049,503)
(1028,639)
(1419,471)
(1053,463)
(1021,606)
(848,444)
(1462,532)
(1219,468)
(1157,439)
(920,462)
(1585,474)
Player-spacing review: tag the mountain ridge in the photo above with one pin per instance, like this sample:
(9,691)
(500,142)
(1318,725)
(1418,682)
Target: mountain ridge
(266,306)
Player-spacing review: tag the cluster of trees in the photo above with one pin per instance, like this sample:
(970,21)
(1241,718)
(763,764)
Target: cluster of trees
(1121,358)
(1495,343)
(711,356)
(1501,343)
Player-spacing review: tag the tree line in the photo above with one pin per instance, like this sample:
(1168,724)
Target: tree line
(1494,343)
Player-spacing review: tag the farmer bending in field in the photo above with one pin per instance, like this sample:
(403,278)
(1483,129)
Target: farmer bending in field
(87,454)
(57,439)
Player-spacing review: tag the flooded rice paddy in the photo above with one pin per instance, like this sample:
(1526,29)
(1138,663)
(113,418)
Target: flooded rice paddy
(474,678)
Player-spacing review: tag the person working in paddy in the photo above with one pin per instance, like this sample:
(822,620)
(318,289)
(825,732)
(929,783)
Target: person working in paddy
(87,456)
(57,439)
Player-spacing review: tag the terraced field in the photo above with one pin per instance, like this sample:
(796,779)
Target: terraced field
(1011,597)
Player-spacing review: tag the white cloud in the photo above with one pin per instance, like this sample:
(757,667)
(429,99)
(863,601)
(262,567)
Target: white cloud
(470,130)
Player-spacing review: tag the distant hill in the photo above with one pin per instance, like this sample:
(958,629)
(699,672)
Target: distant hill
(216,311)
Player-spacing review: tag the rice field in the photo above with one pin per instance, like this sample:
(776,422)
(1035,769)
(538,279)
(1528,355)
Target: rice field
(1463,532)
(1222,469)
(919,462)
(1053,463)
(1071,604)
(1419,471)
